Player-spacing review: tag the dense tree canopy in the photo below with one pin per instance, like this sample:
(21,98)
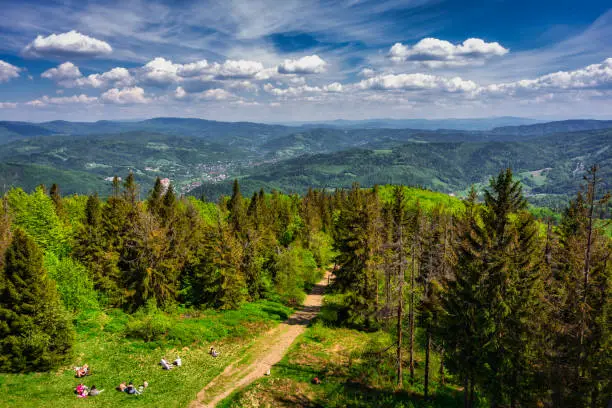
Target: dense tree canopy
(517,311)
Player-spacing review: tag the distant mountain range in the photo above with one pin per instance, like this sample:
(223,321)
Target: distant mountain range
(202,156)
(424,124)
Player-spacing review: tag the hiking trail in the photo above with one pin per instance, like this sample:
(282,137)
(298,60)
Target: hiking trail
(266,351)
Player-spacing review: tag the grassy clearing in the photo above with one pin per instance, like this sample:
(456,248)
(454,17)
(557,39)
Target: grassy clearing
(114,358)
(350,375)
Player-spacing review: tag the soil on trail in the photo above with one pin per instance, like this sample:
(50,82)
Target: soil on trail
(266,351)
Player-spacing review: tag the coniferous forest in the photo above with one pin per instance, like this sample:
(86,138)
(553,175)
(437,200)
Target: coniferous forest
(514,309)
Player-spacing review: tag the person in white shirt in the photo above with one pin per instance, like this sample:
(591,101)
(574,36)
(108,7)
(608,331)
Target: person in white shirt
(165,364)
(178,362)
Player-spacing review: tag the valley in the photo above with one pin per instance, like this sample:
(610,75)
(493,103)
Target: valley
(202,157)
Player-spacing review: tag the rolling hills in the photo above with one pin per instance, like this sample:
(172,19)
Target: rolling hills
(199,156)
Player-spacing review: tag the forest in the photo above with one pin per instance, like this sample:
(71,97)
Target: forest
(515,310)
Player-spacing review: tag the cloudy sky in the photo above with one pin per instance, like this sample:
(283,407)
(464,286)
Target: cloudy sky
(284,60)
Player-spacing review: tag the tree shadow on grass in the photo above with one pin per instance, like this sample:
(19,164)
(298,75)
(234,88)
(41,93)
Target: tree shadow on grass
(282,315)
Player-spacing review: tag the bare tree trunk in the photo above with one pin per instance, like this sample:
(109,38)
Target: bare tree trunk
(387,291)
(466,392)
(472,396)
(441,379)
(427,352)
(591,190)
(411,313)
(400,307)
(400,312)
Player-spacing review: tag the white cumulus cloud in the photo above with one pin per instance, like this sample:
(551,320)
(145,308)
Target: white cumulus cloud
(236,69)
(335,87)
(591,77)
(8,71)
(117,77)
(216,94)
(311,64)
(65,73)
(161,71)
(71,43)
(68,75)
(125,96)
(367,73)
(193,69)
(62,100)
(417,82)
(8,105)
(434,52)
(292,90)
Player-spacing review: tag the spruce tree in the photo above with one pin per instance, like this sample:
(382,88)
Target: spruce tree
(94,247)
(358,233)
(57,200)
(581,308)
(130,189)
(236,209)
(155,197)
(5,229)
(398,263)
(35,331)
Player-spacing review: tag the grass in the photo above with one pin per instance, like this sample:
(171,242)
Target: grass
(351,375)
(114,358)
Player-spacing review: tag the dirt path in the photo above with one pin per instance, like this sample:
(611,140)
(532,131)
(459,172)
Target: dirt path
(266,351)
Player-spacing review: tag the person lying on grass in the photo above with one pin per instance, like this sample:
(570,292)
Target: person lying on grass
(94,391)
(213,352)
(164,364)
(178,362)
(130,389)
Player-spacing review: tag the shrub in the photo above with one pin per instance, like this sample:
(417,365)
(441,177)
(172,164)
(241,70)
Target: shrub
(148,324)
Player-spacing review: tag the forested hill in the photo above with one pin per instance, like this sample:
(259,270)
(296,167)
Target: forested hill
(259,132)
(202,156)
(424,124)
(229,132)
(553,127)
(552,165)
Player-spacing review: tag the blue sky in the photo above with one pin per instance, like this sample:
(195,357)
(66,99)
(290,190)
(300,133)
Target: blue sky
(273,60)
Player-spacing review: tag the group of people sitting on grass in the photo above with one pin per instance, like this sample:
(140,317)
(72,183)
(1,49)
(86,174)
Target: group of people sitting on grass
(82,371)
(167,366)
(83,391)
(131,389)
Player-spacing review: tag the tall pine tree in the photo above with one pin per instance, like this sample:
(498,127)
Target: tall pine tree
(36,333)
